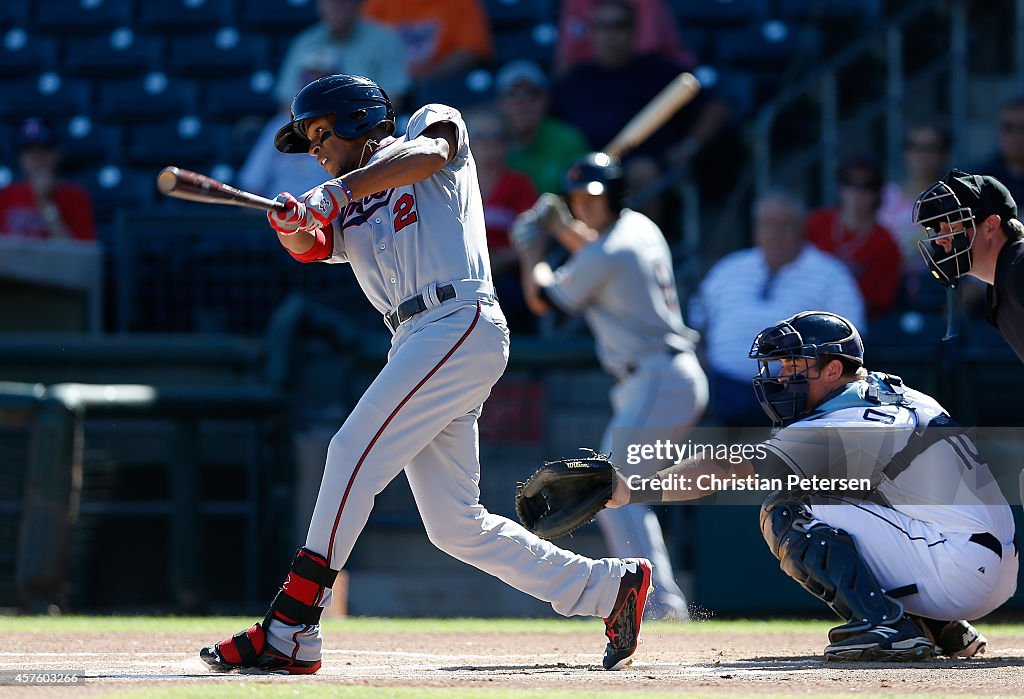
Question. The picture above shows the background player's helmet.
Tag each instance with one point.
(958, 200)
(358, 103)
(597, 173)
(808, 335)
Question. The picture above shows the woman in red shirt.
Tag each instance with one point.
(851, 232)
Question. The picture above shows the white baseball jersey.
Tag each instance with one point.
(401, 240)
(916, 528)
(419, 415)
(624, 285)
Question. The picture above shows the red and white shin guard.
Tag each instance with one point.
(297, 607)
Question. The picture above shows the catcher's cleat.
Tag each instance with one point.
(954, 639)
(622, 627)
(902, 641)
(248, 651)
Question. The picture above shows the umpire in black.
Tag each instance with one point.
(971, 227)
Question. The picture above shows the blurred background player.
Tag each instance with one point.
(619, 277)
(41, 205)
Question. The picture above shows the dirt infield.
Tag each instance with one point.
(668, 660)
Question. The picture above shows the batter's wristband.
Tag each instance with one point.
(345, 188)
(643, 492)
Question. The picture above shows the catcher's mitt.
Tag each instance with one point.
(565, 494)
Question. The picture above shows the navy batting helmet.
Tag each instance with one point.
(597, 173)
(358, 103)
(807, 335)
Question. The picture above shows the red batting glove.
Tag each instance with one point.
(292, 219)
(324, 202)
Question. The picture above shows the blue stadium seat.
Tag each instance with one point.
(906, 343)
(84, 143)
(503, 14)
(225, 52)
(47, 95)
(802, 10)
(716, 13)
(152, 96)
(8, 148)
(117, 54)
(460, 91)
(278, 16)
(230, 99)
(81, 16)
(535, 43)
(185, 15)
(768, 47)
(188, 142)
(738, 88)
(13, 13)
(114, 189)
(23, 54)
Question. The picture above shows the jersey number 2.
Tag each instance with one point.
(404, 212)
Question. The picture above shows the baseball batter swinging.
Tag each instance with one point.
(406, 214)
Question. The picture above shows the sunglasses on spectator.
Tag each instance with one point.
(1012, 126)
(522, 92)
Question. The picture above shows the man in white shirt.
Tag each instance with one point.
(757, 287)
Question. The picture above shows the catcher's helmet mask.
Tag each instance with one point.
(597, 173)
(937, 205)
(807, 336)
(358, 103)
(959, 200)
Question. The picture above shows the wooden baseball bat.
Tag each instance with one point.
(185, 184)
(653, 116)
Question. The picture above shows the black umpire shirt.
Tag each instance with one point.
(1006, 296)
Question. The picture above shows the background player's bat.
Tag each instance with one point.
(185, 184)
(653, 116)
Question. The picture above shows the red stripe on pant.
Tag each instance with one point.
(366, 452)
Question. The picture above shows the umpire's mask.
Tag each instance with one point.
(944, 217)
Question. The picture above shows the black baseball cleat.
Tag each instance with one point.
(901, 641)
(622, 627)
(248, 651)
(954, 639)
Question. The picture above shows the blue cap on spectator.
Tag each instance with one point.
(36, 132)
(520, 71)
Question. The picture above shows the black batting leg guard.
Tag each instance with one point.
(826, 563)
(298, 601)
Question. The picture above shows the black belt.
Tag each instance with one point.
(411, 306)
(630, 369)
(988, 541)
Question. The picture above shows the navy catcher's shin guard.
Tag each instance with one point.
(826, 563)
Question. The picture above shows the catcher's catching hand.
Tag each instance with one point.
(564, 495)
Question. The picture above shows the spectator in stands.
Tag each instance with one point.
(539, 145)
(925, 157)
(341, 42)
(506, 193)
(441, 39)
(852, 233)
(752, 289)
(600, 96)
(1007, 164)
(41, 205)
(656, 32)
